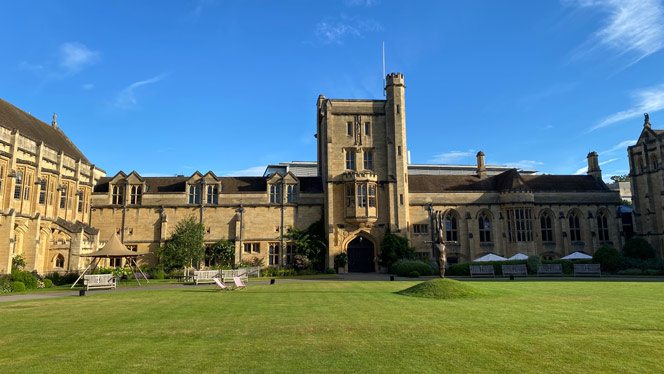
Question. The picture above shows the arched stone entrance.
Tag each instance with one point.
(361, 255)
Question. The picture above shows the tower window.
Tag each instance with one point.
(350, 159)
(368, 160)
(367, 129)
(372, 195)
(349, 128)
(399, 150)
(63, 196)
(362, 195)
(26, 189)
(42, 192)
(398, 109)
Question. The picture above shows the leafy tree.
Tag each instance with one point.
(609, 258)
(625, 202)
(394, 248)
(620, 178)
(185, 246)
(638, 247)
(221, 253)
(310, 243)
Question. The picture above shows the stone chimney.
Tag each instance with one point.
(593, 166)
(481, 168)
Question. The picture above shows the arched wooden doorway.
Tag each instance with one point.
(361, 255)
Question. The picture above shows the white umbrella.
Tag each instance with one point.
(577, 256)
(490, 257)
(518, 256)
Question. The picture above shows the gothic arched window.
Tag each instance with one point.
(602, 227)
(451, 227)
(60, 261)
(485, 227)
(546, 224)
(574, 226)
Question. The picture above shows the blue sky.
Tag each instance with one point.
(171, 87)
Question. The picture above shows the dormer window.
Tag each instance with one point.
(118, 195)
(275, 194)
(292, 194)
(212, 195)
(194, 195)
(135, 195)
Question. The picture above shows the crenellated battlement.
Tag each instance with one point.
(394, 79)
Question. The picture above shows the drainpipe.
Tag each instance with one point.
(283, 250)
(241, 210)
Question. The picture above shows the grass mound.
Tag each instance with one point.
(442, 289)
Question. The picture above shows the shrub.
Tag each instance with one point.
(5, 284)
(340, 260)
(393, 248)
(638, 247)
(330, 271)
(531, 264)
(404, 267)
(643, 264)
(307, 272)
(608, 257)
(48, 283)
(17, 286)
(301, 262)
(631, 272)
(461, 269)
(414, 274)
(25, 277)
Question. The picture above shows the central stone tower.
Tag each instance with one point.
(362, 160)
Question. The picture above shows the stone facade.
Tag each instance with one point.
(647, 181)
(45, 190)
(360, 186)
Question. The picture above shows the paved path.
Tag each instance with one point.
(344, 277)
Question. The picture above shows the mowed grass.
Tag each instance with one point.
(341, 327)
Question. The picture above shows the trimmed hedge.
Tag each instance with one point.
(463, 269)
(414, 274)
(403, 268)
(609, 258)
(17, 286)
(25, 277)
(48, 283)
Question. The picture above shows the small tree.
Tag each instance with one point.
(620, 178)
(185, 246)
(309, 243)
(609, 258)
(394, 248)
(638, 247)
(222, 253)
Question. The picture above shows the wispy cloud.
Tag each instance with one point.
(88, 86)
(74, 56)
(336, 30)
(645, 100)
(555, 90)
(127, 97)
(634, 29)
(452, 156)
(585, 168)
(364, 3)
(252, 171)
(525, 164)
(620, 146)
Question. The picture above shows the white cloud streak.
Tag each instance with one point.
(74, 56)
(524, 164)
(633, 29)
(336, 30)
(127, 97)
(645, 100)
(450, 157)
(249, 172)
(620, 146)
(585, 168)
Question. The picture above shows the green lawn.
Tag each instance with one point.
(349, 327)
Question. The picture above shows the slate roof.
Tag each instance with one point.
(14, 118)
(507, 181)
(228, 184)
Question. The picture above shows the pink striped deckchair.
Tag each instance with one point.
(221, 285)
(238, 282)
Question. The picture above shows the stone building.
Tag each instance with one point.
(45, 188)
(647, 180)
(360, 185)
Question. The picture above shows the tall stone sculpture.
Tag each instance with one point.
(439, 227)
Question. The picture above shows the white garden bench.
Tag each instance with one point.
(515, 270)
(549, 269)
(94, 281)
(205, 276)
(482, 271)
(587, 269)
(228, 275)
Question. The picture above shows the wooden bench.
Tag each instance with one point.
(587, 269)
(549, 269)
(205, 276)
(228, 275)
(482, 271)
(515, 270)
(94, 281)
